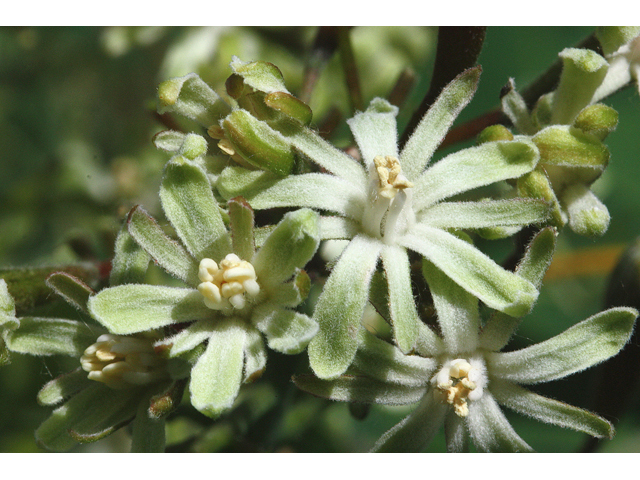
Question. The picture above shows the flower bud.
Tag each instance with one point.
(193, 146)
(612, 38)
(599, 120)
(587, 215)
(535, 184)
(258, 144)
(192, 97)
(494, 133)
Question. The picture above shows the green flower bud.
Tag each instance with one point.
(168, 140)
(535, 184)
(494, 133)
(587, 215)
(193, 146)
(612, 38)
(192, 97)
(599, 120)
(262, 76)
(290, 106)
(258, 144)
(541, 114)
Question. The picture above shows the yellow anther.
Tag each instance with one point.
(390, 176)
(453, 386)
(225, 286)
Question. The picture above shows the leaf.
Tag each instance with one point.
(72, 289)
(51, 336)
(130, 261)
(63, 387)
(286, 331)
(241, 223)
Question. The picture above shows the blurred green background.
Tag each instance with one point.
(76, 122)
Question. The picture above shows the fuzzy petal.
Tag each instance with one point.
(286, 331)
(376, 131)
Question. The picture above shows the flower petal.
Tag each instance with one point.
(376, 131)
(241, 225)
(135, 308)
(188, 203)
(130, 261)
(457, 310)
(51, 336)
(472, 270)
(551, 411)
(489, 428)
(402, 307)
(338, 228)
(217, 375)
(339, 309)
(353, 388)
(586, 344)
(474, 167)
(71, 288)
(434, 125)
(188, 338)
(286, 331)
(486, 213)
(455, 433)
(415, 432)
(255, 356)
(62, 387)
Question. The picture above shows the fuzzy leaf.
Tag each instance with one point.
(168, 253)
(136, 308)
(147, 432)
(51, 336)
(216, 377)
(130, 262)
(241, 223)
(255, 356)
(351, 388)
(62, 387)
(293, 293)
(474, 167)
(340, 307)
(375, 131)
(514, 107)
(472, 270)
(588, 343)
(72, 289)
(289, 247)
(286, 331)
(7, 307)
(434, 125)
(189, 205)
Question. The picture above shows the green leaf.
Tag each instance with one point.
(490, 430)
(340, 307)
(72, 289)
(189, 205)
(551, 411)
(289, 247)
(375, 131)
(473, 270)
(168, 253)
(384, 362)
(485, 213)
(130, 262)
(402, 306)
(216, 377)
(416, 431)
(583, 71)
(63, 387)
(136, 308)
(434, 125)
(474, 167)
(588, 343)
(241, 223)
(351, 388)
(286, 331)
(51, 336)
(92, 414)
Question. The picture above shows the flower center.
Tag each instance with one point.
(459, 381)
(226, 285)
(123, 361)
(390, 176)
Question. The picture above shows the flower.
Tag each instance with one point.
(236, 294)
(119, 379)
(460, 378)
(621, 47)
(391, 203)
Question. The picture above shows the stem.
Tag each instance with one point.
(350, 69)
(403, 86)
(324, 46)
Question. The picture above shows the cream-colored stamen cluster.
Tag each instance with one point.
(123, 361)
(457, 382)
(390, 176)
(226, 285)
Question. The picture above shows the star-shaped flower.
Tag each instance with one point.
(459, 379)
(393, 202)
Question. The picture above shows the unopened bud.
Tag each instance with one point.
(193, 146)
(598, 120)
(494, 133)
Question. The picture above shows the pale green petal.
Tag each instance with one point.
(130, 261)
(514, 107)
(429, 344)
(338, 228)
(472, 270)
(340, 307)
(286, 331)
(415, 432)
(402, 306)
(72, 289)
(62, 387)
(255, 356)
(533, 266)
(587, 214)
(376, 131)
(7, 306)
(168, 253)
(216, 377)
(289, 247)
(188, 338)
(137, 308)
(51, 336)
(382, 361)
(457, 310)
(485, 213)
(551, 411)
(588, 343)
(474, 167)
(455, 433)
(188, 203)
(352, 388)
(489, 428)
(241, 225)
(434, 125)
